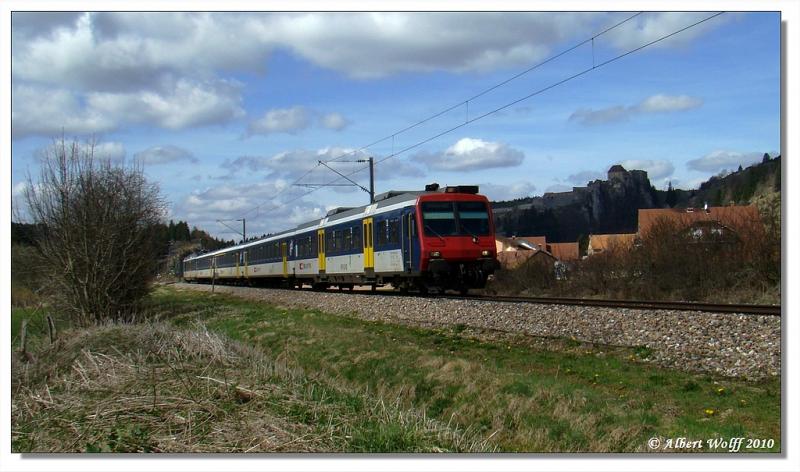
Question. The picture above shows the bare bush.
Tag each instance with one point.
(96, 240)
(674, 260)
(678, 261)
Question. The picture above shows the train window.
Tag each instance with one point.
(357, 237)
(473, 218)
(394, 231)
(338, 237)
(382, 232)
(348, 239)
(439, 219)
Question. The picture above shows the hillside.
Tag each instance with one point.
(611, 206)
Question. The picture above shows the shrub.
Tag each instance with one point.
(96, 239)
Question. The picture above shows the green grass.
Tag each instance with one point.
(518, 396)
(37, 323)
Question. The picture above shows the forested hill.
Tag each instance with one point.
(611, 206)
(165, 233)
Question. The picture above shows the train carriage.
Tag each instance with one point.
(432, 239)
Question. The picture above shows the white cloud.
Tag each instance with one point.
(472, 154)
(685, 184)
(396, 167)
(134, 46)
(104, 70)
(281, 207)
(184, 104)
(111, 151)
(40, 111)
(164, 155)
(666, 103)
(720, 160)
(588, 116)
(497, 192)
(19, 189)
(654, 104)
(656, 170)
(293, 164)
(583, 177)
(281, 120)
(334, 121)
(290, 164)
(370, 45)
(653, 25)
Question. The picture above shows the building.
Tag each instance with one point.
(513, 251)
(564, 251)
(699, 220)
(603, 242)
(514, 259)
(721, 222)
(517, 243)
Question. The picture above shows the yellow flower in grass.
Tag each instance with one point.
(721, 391)
(710, 412)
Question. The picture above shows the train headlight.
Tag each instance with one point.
(486, 253)
(435, 254)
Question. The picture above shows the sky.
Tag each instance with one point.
(228, 111)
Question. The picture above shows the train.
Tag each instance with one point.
(428, 241)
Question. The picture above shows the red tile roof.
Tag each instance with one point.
(731, 216)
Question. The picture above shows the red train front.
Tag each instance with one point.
(457, 244)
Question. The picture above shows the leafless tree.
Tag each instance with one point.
(96, 223)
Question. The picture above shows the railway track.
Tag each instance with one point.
(770, 310)
(745, 309)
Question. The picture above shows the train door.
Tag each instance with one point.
(410, 243)
(243, 262)
(369, 247)
(321, 250)
(285, 262)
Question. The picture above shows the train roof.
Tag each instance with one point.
(382, 201)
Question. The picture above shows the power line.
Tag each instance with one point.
(451, 108)
(509, 104)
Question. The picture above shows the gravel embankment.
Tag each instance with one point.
(727, 344)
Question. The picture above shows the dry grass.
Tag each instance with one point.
(156, 388)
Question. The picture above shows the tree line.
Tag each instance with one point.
(164, 235)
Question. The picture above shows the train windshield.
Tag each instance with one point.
(455, 219)
(473, 218)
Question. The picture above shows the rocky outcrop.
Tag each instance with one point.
(603, 206)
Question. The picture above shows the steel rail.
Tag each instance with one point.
(770, 310)
(743, 309)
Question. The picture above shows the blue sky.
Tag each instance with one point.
(225, 111)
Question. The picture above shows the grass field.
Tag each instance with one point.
(340, 384)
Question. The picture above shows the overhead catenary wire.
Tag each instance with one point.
(448, 109)
(500, 108)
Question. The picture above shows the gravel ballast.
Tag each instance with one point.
(733, 345)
